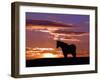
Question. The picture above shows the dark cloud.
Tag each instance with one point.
(46, 23)
(68, 32)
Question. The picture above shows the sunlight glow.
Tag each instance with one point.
(43, 49)
(49, 55)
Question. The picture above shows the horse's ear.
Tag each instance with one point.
(57, 40)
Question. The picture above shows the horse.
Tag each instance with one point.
(66, 49)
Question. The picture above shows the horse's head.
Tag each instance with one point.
(58, 44)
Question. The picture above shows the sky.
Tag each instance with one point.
(43, 29)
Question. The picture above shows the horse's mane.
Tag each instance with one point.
(62, 42)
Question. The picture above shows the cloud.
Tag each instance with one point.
(47, 23)
(64, 35)
(56, 30)
(66, 38)
(35, 53)
(71, 40)
(71, 33)
(47, 28)
(51, 27)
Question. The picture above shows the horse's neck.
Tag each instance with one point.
(63, 45)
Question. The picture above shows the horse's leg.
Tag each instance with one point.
(74, 54)
(65, 55)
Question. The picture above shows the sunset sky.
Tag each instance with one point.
(43, 29)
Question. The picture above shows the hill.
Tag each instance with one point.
(57, 61)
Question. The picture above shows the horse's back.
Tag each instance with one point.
(72, 47)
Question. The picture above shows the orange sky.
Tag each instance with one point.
(39, 38)
(37, 53)
(43, 29)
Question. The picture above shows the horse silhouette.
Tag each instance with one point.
(67, 49)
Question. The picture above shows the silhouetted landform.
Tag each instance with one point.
(57, 61)
(66, 48)
(46, 23)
